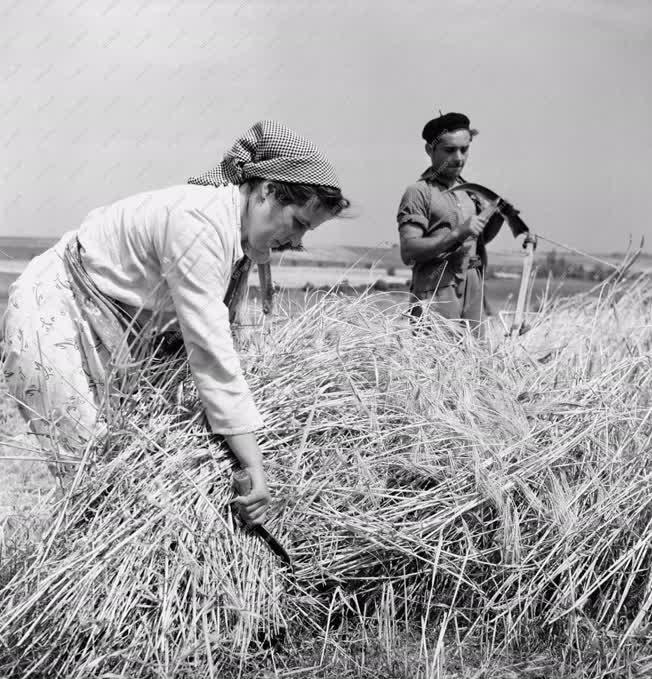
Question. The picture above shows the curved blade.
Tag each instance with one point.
(510, 214)
(273, 544)
(516, 224)
(478, 189)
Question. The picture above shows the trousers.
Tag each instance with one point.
(463, 301)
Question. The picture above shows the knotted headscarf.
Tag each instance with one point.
(270, 150)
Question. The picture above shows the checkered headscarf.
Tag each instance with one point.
(269, 150)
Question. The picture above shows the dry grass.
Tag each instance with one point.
(26, 489)
(455, 509)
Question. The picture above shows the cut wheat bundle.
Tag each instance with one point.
(506, 484)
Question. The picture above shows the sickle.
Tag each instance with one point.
(508, 211)
(242, 484)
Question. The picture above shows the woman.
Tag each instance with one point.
(169, 256)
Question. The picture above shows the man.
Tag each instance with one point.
(442, 235)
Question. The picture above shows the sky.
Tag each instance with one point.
(101, 99)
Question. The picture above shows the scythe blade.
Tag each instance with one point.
(508, 211)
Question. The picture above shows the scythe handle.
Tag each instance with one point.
(529, 244)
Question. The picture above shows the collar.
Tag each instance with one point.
(429, 175)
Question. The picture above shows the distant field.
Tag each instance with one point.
(501, 297)
(500, 292)
(354, 265)
(23, 248)
(345, 255)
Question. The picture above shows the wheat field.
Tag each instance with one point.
(454, 507)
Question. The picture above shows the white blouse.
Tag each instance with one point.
(172, 251)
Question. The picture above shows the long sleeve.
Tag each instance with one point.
(196, 262)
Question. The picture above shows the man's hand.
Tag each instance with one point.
(471, 228)
(254, 501)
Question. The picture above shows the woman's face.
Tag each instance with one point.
(268, 225)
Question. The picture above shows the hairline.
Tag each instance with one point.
(471, 130)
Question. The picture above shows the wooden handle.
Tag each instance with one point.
(266, 287)
(523, 293)
(242, 481)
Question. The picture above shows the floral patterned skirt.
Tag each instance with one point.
(52, 361)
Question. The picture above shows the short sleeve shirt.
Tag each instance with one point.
(426, 205)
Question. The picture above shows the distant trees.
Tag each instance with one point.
(558, 266)
(552, 264)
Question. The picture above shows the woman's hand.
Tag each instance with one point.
(253, 505)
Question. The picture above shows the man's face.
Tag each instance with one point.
(449, 152)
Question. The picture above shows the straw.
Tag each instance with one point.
(499, 490)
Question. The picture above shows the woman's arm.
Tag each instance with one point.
(196, 263)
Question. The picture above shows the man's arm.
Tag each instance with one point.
(417, 248)
(413, 220)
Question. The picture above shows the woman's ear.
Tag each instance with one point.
(266, 188)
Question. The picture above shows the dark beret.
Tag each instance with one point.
(449, 122)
